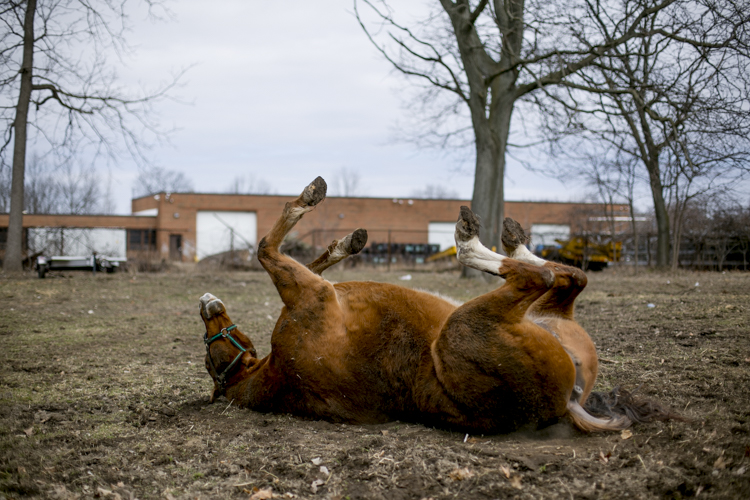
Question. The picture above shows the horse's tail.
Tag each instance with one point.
(589, 423)
(622, 402)
(616, 410)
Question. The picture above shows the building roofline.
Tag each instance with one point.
(460, 200)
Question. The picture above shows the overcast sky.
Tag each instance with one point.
(285, 91)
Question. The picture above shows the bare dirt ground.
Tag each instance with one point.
(103, 394)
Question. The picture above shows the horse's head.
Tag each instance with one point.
(228, 350)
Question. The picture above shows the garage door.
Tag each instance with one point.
(218, 232)
(441, 233)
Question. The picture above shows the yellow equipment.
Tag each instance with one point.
(448, 252)
(588, 255)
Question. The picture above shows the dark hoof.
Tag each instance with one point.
(358, 241)
(513, 235)
(467, 225)
(315, 192)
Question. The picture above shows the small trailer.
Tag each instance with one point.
(91, 263)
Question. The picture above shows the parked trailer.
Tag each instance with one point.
(91, 263)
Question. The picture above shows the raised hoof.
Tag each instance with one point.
(513, 235)
(315, 192)
(358, 241)
(467, 225)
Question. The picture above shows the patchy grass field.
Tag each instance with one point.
(103, 394)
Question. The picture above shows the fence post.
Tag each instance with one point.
(389, 250)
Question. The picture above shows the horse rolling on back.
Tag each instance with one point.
(366, 352)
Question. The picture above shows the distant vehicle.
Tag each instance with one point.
(91, 263)
(581, 252)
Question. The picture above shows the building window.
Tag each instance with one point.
(141, 239)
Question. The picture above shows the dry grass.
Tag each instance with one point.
(103, 394)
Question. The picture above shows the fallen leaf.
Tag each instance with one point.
(29, 431)
(385, 433)
(626, 434)
(721, 463)
(262, 494)
(505, 470)
(515, 482)
(603, 458)
(460, 474)
(315, 484)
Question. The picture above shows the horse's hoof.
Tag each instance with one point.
(467, 225)
(513, 235)
(358, 241)
(315, 192)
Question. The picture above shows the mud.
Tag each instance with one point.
(103, 394)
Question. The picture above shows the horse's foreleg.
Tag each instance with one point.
(292, 279)
(339, 250)
(313, 194)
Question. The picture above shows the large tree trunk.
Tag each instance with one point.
(634, 227)
(13, 245)
(662, 215)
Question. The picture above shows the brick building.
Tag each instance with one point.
(191, 226)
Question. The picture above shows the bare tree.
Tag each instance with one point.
(41, 191)
(346, 182)
(155, 179)
(674, 100)
(79, 188)
(56, 86)
(65, 189)
(435, 192)
(488, 56)
(249, 184)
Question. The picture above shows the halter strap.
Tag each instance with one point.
(224, 333)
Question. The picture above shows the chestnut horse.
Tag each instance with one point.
(366, 352)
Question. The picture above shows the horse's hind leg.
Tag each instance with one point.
(529, 282)
(554, 310)
(569, 281)
(339, 250)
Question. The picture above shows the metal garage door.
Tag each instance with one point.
(218, 232)
(441, 233)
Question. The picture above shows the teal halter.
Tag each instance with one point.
(221, 378)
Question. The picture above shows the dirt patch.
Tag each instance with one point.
(103, 394)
